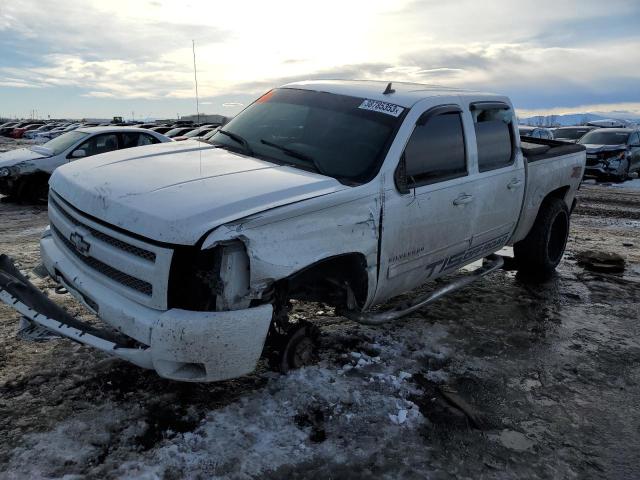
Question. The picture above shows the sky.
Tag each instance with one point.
(97, 59)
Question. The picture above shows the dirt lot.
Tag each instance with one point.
(549, 376)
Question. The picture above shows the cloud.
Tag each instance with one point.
(543, 53)
(233, 104)
(630, 110)
(95, 33)
(530, 73)
(116, 78)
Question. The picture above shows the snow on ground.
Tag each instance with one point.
(355, 399)
(7, 144)
(632, 184)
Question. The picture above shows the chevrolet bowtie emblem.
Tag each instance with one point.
(79, 243)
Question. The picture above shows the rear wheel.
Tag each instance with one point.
(541, 250)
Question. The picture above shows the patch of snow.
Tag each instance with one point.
(438, 376)
(69, 448)
(513, 440)
(631, 184)
(344, 410)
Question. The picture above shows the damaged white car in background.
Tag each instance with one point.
(24, 173)
(349, 193)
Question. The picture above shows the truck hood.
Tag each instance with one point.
(592, 148)
(10, 158)
(177, 192)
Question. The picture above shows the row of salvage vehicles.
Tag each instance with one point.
(613, 152)
(345, 192)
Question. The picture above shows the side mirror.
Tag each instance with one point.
(79, 153)
(400, 176)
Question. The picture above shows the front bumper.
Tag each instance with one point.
(177, 344)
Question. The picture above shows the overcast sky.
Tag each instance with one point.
(103, 58)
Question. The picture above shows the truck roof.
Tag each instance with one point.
(406, 94)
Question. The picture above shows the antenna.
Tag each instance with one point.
(195, 77)
(388, 90)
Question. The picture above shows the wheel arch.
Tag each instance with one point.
(329, 280)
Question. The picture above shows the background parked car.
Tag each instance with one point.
(19, 132)
(7, 130)
(571, 134)
(31, 134)
(206, 137)
(196, 133)
(7, 127)
(24, 173)
(57, 132)
(535, 132)
(163, 129)
(612, 152)
(176, 132)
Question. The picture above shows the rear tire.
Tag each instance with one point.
(541, 250)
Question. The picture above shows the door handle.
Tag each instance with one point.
(513, 184)
(463, 199)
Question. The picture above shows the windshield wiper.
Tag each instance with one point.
(295, 154)
(241, 140)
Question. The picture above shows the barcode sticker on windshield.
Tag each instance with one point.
(382, 107)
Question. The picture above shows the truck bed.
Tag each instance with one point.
(552, 166)
(535, 149)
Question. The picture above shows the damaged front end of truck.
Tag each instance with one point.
(202, 312)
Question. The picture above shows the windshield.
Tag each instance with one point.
(571, 133)
(64, 141)
(336, 135)
(604, 137)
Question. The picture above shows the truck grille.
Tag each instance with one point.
(140, 252)
(120, 277)
(136, 268)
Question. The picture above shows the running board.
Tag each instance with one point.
(490, 264)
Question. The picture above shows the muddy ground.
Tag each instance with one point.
(548, 376)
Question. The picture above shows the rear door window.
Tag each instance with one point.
(137, 139)
(436, 151)
(100, 144)
(494, 136)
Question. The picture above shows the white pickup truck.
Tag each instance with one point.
(346, 192)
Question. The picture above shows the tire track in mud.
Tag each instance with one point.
(599, 201)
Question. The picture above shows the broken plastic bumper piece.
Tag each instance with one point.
(181, 345)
